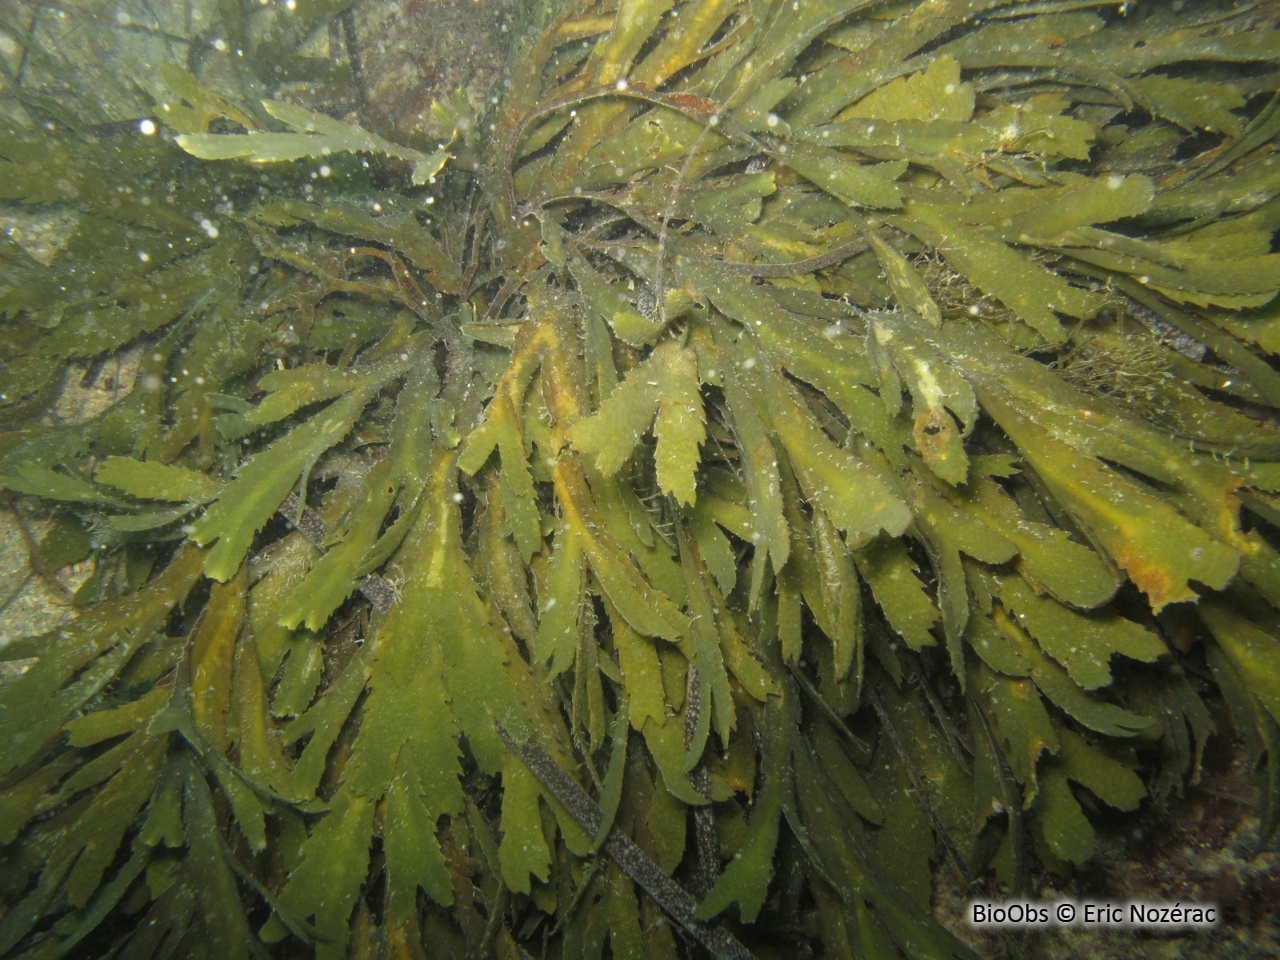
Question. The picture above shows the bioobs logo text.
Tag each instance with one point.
(1135, 913)
(1009, 914)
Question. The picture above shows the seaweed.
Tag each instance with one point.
(778, 452)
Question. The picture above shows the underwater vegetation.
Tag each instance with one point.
(772, 453)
